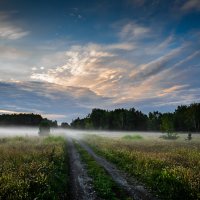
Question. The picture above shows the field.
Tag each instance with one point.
(87, 166)
(171, 169)
(33, 168)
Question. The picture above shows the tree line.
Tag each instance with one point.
(24, 119)
(185, 118)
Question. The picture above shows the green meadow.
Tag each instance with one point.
(170, 169)
(39, 167)
(33, 168)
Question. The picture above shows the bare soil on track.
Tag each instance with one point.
(131, 186)
(81, 187)
(80, 183)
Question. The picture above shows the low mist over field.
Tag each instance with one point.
(13, 131)
(18, 131)
(33, 131)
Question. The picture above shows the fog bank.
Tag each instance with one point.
(9, 131)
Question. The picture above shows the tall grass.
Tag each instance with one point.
(171, 169)
(33, 168)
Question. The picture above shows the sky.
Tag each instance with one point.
(63, 58)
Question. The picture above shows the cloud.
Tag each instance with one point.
(132, 30)
(54, 116)
(137, 68)
(66, 103)
(104, 71)
(156, 66)
(12, 53)
(18, 61)
(97, 76)
(12, 33)
(87, 66)
(50, 100)
(191, 5)
(124, 71)
(160, 47)
(121, 46)
(8, 30)
(8, 112)
(172, 89)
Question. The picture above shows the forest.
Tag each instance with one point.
(24, 120)
(185, 118)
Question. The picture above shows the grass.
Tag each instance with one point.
(132, 137)
(105, 187)
(33, 168)
(170, 168)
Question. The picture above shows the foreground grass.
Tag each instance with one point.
(171, 169)
(33, 168)
(104, 185)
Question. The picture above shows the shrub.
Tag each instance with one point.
(44, 128)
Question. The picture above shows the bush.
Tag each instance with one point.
(44, 128)
(170, 136)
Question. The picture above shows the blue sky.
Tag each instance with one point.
(63, 58)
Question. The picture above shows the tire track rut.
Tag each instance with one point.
(137, 192)
(80, 183)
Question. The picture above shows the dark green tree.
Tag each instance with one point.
(65, 125)
(154, 121)
(167, 125)
(185, 118)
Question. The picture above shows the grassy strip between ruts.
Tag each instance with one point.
(105, 187)
(172, 169)
(33, 168)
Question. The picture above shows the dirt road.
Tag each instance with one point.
(81, 187)
(80, 183)
(137, 192)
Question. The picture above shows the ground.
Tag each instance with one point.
(100, 165)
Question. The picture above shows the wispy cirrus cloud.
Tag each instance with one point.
(132, 30)
(10, 31)
(191, 5)
(156, 66)
(172, 89)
